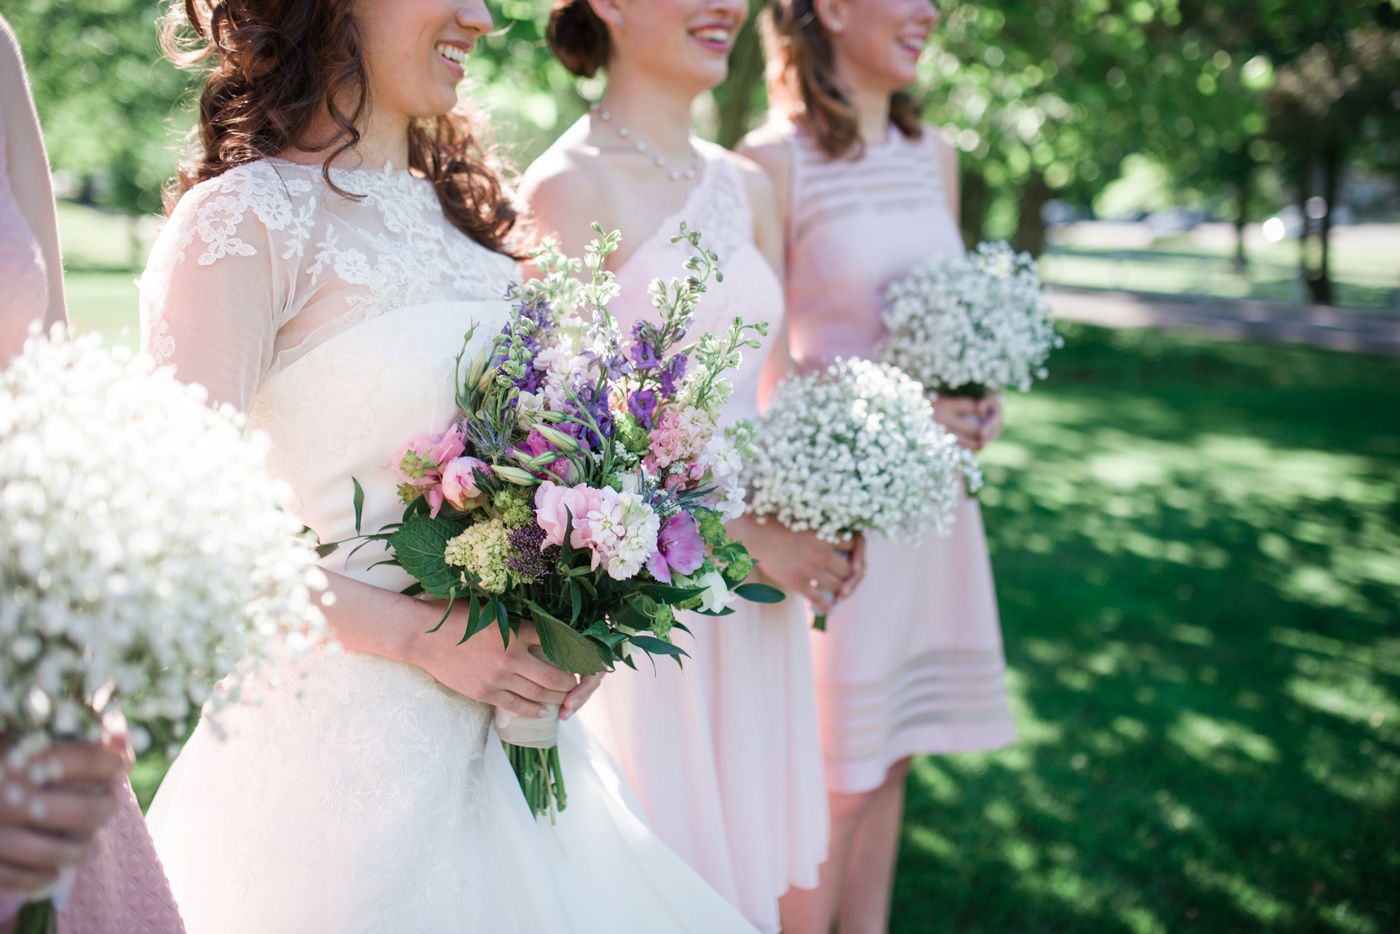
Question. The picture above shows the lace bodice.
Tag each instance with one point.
(334, 322)
(717, 206)
(262, 264)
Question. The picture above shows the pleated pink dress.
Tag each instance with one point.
(122, 889)
(725, 753)
(913, 661)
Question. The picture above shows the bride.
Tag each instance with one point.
(337, 235)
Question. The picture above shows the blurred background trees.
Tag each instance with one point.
(1062, 109)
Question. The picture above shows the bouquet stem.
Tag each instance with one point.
(541, 778)
(819, 623)
(37, 918)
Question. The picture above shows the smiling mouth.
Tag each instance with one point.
(914, 44)
(454, 54)
(716, 37)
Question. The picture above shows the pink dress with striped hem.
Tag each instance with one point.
(912, 663)
(725, 754)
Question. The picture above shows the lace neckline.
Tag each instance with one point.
(388, 172)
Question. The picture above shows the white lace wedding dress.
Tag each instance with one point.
(364, 796)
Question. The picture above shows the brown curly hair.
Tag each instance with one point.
(802, 81)
(275, 66)
(578, 38)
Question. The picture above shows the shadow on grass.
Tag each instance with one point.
(1195, 548)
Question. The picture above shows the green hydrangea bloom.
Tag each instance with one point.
(513, 505)
(738, 570)
(482, 550)
(631, 433)
(663, 621)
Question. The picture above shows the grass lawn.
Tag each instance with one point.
(1365, 267)
(1196, 550)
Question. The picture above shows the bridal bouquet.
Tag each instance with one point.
(142, 553)
(582, 487)
(970, 324)
(854, 448)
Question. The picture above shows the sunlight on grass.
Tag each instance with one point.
(1194, 545)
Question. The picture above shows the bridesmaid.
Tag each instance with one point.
(913, 663)
(90, 821)
(725, 754)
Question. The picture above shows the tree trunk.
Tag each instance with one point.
(1320, 278)
(736, 102)
(975, 201)
(1030, 225)
(1241, 220)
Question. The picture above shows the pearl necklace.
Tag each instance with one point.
(625, 134)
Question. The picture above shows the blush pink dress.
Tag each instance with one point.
(912, 662)
(724, 753)
(122, 889)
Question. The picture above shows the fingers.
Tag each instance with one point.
(42, 853)
(545, 675)
(533, 691)
(85, 764)
(24, 881)
(580, 695)
(819, 598)
(63, 811)
(857, 568)
(508, 700)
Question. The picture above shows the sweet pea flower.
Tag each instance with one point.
(678, 547)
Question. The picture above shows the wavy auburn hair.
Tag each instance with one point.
(803, 84)
(276, 66)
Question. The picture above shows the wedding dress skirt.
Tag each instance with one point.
(357, 794)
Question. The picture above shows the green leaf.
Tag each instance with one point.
(359, 504)
(327, 549)
(575, 602)
(628, 616)
(654, 646)
(502, 619)
(671, 595)
(760, 593)
(566, 648)
(476, 620)
(419, 545)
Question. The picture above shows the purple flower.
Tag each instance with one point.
(529, 558)
(673, 374)
(644, 356)
(679, 548)
(642, 405)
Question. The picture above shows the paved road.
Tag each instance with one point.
(1333, 328)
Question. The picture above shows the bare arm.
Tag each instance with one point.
(27, 164)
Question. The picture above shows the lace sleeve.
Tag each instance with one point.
(218, 286)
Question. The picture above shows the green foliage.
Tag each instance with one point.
(113, 109)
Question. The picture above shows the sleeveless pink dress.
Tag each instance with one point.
(912, 662)
(725, 753)
(122, 889)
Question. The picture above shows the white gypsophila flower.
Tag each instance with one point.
(854, 448)
(970, 323)
(143, 555)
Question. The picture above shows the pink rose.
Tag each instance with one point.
(420, 462)
(552, 512)
(459, 482)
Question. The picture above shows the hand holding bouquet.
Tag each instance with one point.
(970, 324)
(582, 487)
(144, 555)
(854, 448)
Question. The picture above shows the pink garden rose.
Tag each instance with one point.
(459, 482)
(553, 506)
(679, 548)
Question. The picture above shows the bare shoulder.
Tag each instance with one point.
(565, 189)
(768, 146)
(947, 152)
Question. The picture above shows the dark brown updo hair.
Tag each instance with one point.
(274, 66)
(579, 37)
(804, 87)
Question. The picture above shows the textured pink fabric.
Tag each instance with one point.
(725, 754)
(24, 290)
(912, 662)
(122, 889)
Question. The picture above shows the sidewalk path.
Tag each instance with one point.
(1321, 326)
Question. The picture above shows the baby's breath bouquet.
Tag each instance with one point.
(142, 551)
(970, 324)
(854, 448)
